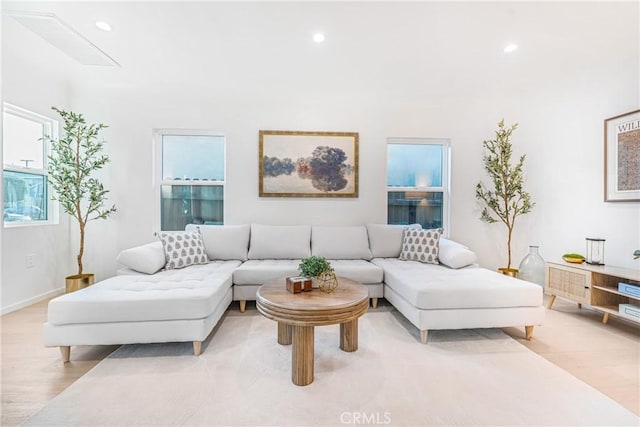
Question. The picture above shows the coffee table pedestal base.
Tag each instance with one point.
(302, 355)
(284, 333)
(349, 336)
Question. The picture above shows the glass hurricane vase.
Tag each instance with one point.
(532, 267)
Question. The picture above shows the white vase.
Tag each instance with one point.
(532, 267)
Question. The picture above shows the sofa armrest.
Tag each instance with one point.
(148, 258)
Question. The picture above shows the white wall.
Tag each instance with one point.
(561, 130)
(30, 87)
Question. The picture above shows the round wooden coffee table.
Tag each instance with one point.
(297, 315)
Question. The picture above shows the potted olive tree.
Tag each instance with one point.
(507, 199)
(73, 160)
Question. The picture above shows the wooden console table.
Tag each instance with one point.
(594, 285)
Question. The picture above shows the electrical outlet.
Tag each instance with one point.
(30, 260)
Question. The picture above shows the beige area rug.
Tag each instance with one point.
(243, 377)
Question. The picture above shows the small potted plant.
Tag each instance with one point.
(314, 265)
(320, 271)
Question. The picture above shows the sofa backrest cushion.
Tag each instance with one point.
(224, 242)
(340, 242)
(280, 241)
(454, 254)
(385, 240)
(146, 259)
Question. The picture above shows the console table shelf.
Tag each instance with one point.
(594, 285)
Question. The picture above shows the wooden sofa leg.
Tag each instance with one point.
(243, 305)
(424, 336)
(65, 351)
(528, 332)
(374, 302)
(197, 348)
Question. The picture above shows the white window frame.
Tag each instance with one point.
(445, 189)
(157, 168)
(50, 128)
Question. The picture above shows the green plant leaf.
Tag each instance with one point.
(313, 266)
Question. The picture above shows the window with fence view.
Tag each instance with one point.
(418, 182)
(25, 177)
(192, 182)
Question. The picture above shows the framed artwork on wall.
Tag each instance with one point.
(308, 164)
(622, 158)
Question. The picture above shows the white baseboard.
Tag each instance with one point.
(30, 301)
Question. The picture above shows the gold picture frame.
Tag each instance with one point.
(308, 164)
(622, 158)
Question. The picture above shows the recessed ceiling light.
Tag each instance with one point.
(318, 37)
(103, 26)
(510, 47)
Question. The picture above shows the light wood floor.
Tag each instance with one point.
(605, 356)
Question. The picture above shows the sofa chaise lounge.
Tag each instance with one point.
(145, 303)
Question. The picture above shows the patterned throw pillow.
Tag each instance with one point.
(182, 248)
(420, 245)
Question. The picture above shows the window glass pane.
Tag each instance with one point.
(193, 157)
(21, 145)
(414, 165)
(25, 196)
(411, 207)
(190, 204)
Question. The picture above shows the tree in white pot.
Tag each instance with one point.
(73, 160)
(507, 200)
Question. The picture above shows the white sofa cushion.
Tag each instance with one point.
(454, 254)
(429, 286)
(224, 242)
(280, 241)
(190, 293)
(357, 269)
(261, 271)
(146, 259)
(182, 249)
(385, 240)
(340, 242)
(420, 245)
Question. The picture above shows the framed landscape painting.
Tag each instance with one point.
(308, 164)
(622, 158)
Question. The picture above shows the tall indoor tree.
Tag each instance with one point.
(508, 199)
(74, 159)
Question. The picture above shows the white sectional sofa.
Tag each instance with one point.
(145, 303)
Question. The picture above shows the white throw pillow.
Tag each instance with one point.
(455, 255)
(385, 240)
(421, 245)
(182, 249)
(146, 259)
(224, 242)
(340, 242)
(280, 241)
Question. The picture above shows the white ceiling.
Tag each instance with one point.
(414, 48)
